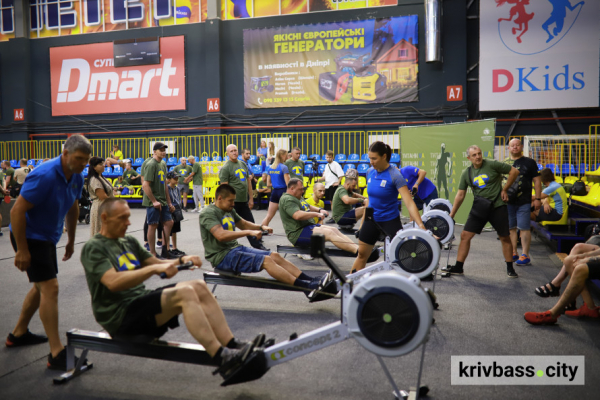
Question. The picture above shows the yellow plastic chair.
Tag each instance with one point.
(563, 221)
(362, 182)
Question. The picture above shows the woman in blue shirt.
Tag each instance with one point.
(384, 182)
(277, 178)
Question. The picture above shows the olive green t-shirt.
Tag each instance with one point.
(183, 172)
(338, 207)
(98, 256)
(296, 168)
(236, 174)
(215, 251)
(10, 172)
(1, 178)
(128, 174)
(288, 205)
(155, 173)
(197, 170)
(487, 181)
(262, 184)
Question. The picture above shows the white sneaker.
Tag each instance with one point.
(306, 257)
(195, 210)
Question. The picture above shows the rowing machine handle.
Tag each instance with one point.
(180, 267)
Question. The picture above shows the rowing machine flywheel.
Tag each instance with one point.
(440, 224)
(439, 204)
(389, 314)
(415, 251)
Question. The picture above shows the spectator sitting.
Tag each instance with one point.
(554, 199)
(264, 191)
(9, 175)
(316, 200)
(344, 199)
(116, 157)
(175, 194)
(130, 175)
(99, 189)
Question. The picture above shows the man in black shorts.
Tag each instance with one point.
(485, 179)
(49, 194)
(116, 266)
(588, 268)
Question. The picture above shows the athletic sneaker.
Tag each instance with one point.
(540, 318)
(25, 340)
(584, 311)
(159, 243)
(511, 273)
(523, 260)
(374, 256)
(147, 246)
(515, 257)
(232, 359)
(195, 210)
(178, 252)
(306, 257)
(168, 255)
(453, 269)
(60, 361)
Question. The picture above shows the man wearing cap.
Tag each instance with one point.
(157, 201)
(183, 170)
(235, 173)
(196, 178)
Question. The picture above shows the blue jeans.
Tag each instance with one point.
(153, 216)
(519, 216)
(243, 259)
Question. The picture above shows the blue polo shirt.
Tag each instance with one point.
(382, 188)
(277, 176)
(46, 187)
(411, 174)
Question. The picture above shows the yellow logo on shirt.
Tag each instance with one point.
(127, 261)
(305, 206)
(228, 223)
(161, 176)
(481, 181)
(297, 170)
(241, 174)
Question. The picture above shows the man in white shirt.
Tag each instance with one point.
(332, 176)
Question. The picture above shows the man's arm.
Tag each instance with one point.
(247, 225)
(537, 184)
(352, 200)
(168, 196)
(458, 200)
(71, 222)
(148, 191)
(18, 222)
(420, 178)
(512, 176)
(227, 236)
(123, 280)
(305, 215)
(250, 197)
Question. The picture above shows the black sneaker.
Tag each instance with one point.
(60, 361)
(168, 255)
(25, 340)
(261, 247)
(232, 359)
(452, 269)
(374, 256)
(178, 252)
(511, 273)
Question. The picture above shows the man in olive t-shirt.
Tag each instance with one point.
(298, 224)
(9, 175)
(196, 178)
(115, 268)
(235, 173)
(484, 177)
(184, 171)
(218, 223)
(130, 175)
(295, 165)
(343, 200)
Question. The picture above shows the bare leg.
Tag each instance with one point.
(273, 207)
(513, 241)
(213, 311)
(185, 200)
(338, 239)
(49, 313)
(285, 264)
(152, 238)
(167, 226)
(174, 240)
(574, 288)
(526, 241)
(278, 272)
(465, 246)
(30, 306)
(506, 248)
(364, 251)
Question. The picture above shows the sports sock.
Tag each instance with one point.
(459, 264)
(217, 356)
(509, 265)
(233, 344)
(301, 283)
(304, 277)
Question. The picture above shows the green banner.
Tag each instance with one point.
(441, 150)
(340, 63)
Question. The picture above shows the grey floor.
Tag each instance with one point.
(481, 313)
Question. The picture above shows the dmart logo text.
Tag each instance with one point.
(518, 370)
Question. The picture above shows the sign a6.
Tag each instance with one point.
(19, 114)
(213, 105)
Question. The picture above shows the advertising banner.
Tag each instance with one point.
(356, 62)
(441, 150)
(85, 81)
(235, 9)
(539, 54)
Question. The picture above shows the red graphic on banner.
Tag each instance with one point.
(84, 80)
(19, 114)
(213, 105)
(454, 93)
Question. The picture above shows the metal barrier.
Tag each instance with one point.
(48, 148)
(250, 141)
(308, 142)
(3, 151)
(16, 150)
(594, 147)
(391, 138)
(101, 147)
(131, 148)
(199, 145)
(344, 142)
(176, 145)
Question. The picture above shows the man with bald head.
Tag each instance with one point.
(485, 179)
(519, 205)
(235, 173)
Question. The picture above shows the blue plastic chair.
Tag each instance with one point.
(395, 158)
(139, 170)
(583, 168)
(340, 158)
(349, 166)
(257, 170)
(551, 167)
(172, 161)
(318, 157)
(363, 168)
(252, 159)
(171, 169)
(14, 164)
(568, 169)
(138, 162)
(303, 157)
(31, 162)
(117, 170)
(197, 159)
(540, 167)
(39, 162)
(321, 169)
(365, 158)
(353, 158)
(217, 158)
(85, 171)
(107, 171)
(205, 158)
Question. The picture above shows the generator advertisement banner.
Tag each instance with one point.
(441, 150)
(356, 62)
(84, 80)
(539, 54)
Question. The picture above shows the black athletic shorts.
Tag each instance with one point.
(140, 317)
(44, 265)
(369, 233)
(176, 227)
(498, 218)
(552, 216)
(594, 267)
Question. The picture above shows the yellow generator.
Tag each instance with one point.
(369, 87)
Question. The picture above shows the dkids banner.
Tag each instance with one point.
(357, 62)
(441, 150)
(84, 80)
(539, 54)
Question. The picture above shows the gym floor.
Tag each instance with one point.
(481, 313)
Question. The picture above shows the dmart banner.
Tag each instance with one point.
(441, 150)
(357, 62)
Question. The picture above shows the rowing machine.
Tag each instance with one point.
(438, 204)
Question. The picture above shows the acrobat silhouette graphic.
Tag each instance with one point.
(557, 16)
(444, 161)
(522, 19)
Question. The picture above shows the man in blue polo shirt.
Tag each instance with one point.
(50, 193)
(422, 189)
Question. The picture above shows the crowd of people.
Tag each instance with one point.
(116, 264)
